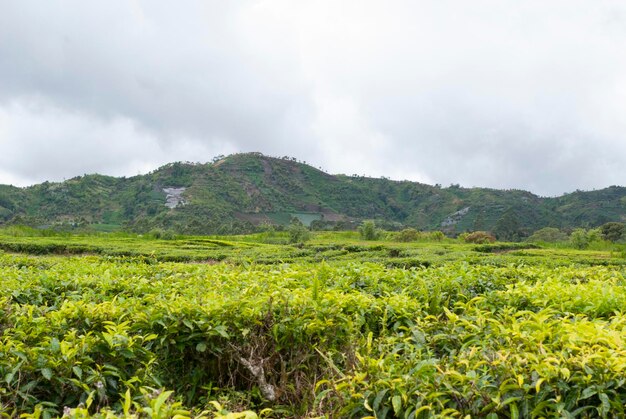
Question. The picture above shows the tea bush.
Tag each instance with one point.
(436, 330)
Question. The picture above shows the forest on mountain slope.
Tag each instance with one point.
(250, 191)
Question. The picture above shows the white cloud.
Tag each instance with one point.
(41, 142)
(487, 93)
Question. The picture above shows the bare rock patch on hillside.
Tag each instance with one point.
(174, 197)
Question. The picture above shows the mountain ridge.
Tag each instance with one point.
(240, 192)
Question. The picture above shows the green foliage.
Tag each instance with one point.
(478, 237)
(508, 227)
(548, 235)
(613, 232)
(504, 247)
(333, 328)
(581, 238)
(298, 233)
(407, 235)
(162, 234)
(235, 194)
(436, 235)
(594, 235)
(411, 235)
(368, 230)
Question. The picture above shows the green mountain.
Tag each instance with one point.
(242, 191)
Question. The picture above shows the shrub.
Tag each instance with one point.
(437, 235)
(368, 231)
(549, 235)
(298, 233)
(612, 231)
(478, 237)
(407, 235)
(581, 238)
(411, 234)
(157, 233)
(504, 247)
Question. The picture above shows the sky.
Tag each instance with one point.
(503, 94)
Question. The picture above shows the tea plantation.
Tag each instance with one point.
(245, 327)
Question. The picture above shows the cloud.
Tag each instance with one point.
(488, 93)
(42, 142)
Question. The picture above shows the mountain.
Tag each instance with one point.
(237, 193)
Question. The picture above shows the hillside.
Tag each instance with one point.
(242, 191)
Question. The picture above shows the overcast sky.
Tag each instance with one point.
(503, 93)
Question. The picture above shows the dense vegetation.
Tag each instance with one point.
(247, 326)
(244, 192)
